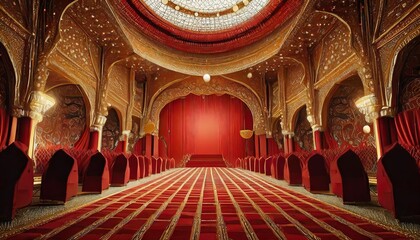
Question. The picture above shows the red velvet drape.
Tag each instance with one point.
(408, 127)
(387, 133)
(83, 142)
(204, 125)
(4, 127)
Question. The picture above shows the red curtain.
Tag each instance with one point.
(83, 142)
(204, 125)
(4, 127)
(387, 133)
(408, 127)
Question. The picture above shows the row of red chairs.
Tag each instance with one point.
(398, 177)
(60, 179)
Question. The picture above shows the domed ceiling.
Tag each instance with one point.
(208, 26)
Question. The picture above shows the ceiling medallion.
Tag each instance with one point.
(207, 13)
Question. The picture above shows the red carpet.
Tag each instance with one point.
(204, 203)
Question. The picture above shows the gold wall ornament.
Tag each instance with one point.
(149, 127)
(39, 103)
(368, 105)
(246, 133)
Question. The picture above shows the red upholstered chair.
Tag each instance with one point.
(60, 179)
(172, 163)
(159, 163)
(16, 180)
(167, 164)
(134, 167)
(315, 176)
(252, 164)
(154, 165)
(96, 178)
(399, 183)
(274, 166)
(238, 163)
(120, 171)
(142, 166)
(267, 166)
(293, 170)
(349, 179)
(279, 169)
(261, 167)
(147, 166)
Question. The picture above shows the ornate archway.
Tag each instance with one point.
(216, 86)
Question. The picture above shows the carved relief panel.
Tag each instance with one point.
(303, 131)
(111, 130)
(65, 122)
(345, 121)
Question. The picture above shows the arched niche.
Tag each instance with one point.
(7, 80)
(218, 86)
(401, 52)
(406, 78)
(111, 131)
(64, 123)
(277, 134)
(342, 119)
(302, 129)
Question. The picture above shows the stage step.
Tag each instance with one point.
(206, 160)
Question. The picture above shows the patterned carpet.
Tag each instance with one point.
(206, 203)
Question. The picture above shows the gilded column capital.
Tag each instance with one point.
(368, 105)
(39, 103)
(17, 111)
(287, 133)
(98, 122)
(387, 111)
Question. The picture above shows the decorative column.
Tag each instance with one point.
(288, 141)
(368, 105)
(387, 132)
(95, 138)
(318, 137)
(123, 142)
(149, 128)
(39, 103)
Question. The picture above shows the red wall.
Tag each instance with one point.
(204, 125)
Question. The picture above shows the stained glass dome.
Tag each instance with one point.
(207, 26)
(206, 15)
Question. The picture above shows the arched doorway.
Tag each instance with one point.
(206, 124)
(7, 85)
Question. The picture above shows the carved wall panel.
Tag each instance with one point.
(15, 46)
(118, 88)
(292, 108)
(303, 131)
(79, 49)
(409, 83)
(345, 121)
(134, 134)
(277, 133)
(138, 97)
(216, 86)
(275, 101)
(393, 11)
(111, 130)
(336, 49)
(65, 122)
(294, 85)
